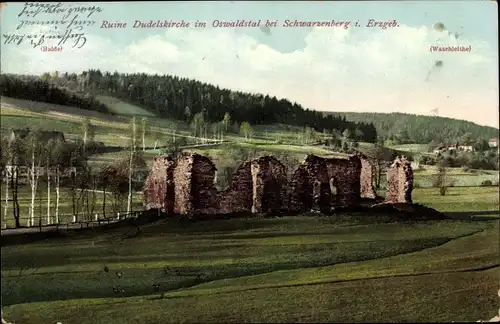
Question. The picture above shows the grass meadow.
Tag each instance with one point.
(291, 269)
(355, 267)
(65, 206)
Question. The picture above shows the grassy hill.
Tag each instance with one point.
(18, 113)
(421, 129)
(113, 130)
(119, 107)
(180, 99)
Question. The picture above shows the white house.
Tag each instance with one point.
(493, 142)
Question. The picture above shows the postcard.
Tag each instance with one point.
(237, 162)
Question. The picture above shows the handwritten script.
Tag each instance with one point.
(52, 24)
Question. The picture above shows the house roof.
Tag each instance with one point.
(43, 135)
(494, 140)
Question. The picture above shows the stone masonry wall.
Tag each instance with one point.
(187, 186)
(195, 191)
(300, 198)
(311, 187)
(269, 185)
(346, 174)
(400, 181)
(182, 181)
(203, 190)
(366, 179)
(159, 186)
(238, 197)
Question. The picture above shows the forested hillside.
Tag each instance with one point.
(405, 128)
(181, 98)
(35, 89)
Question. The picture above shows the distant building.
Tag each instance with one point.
(466, 148)
(43, 136)
(456, 147)
(493, 142)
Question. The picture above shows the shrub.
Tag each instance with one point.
(416, 185)
(442, 191)
(96, 147)
(486, 183)
(465, 168)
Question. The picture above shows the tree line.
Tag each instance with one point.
(59, 164)
(41, 90)
(183, 98)
(400, 128)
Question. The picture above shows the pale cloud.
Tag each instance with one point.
(337, 70)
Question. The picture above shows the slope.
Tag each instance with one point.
(419, 128)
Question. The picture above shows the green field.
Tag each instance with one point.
(414, 148)
(119, 107)
(290, 269)
(17, 114)
(65, 206)
(114, 130)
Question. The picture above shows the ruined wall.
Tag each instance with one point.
(182, 181)
(187, 186)
(366, 178)
(346, 175)
(203, 190)
(195, 190)
(159, 185)
(269, 184)
(258, 186)
(300, 198)
(238, 196)
(311, 187)
(399, 181)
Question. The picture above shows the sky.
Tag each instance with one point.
(358, 69)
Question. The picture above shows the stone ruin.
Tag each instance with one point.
(366, 178)
(186, 186)
(194, 184)
(399, 181)
(319, 184)
(159, 188)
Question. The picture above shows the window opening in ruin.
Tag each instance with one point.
(224, 178)
(271, 196)
(333, 187)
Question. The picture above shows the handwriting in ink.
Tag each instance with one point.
(31, 10)
(79, 39)
(65, 23)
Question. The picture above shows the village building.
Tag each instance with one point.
(43, 136)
